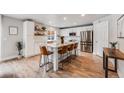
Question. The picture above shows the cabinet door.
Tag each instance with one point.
(61, 32)
(64, 32)
(28, 28)
(37, 48)
(100, 37)
(29, 49)
(121, 27)
(29, 46)
(77, 30)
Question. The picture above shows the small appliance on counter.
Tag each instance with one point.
(72, 34)
(72, 40)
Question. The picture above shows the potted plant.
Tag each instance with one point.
(113, 47)
(43, 28)
(19, 47)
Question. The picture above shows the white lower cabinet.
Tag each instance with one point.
(37, 48)
(29, 47)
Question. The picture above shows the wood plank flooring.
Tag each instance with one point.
(85, 66)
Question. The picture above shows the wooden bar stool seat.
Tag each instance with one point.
(62, 51)
(70, 49)
(49, 52)
(75, 48)
(44, 52)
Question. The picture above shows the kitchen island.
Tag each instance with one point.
(55, 58)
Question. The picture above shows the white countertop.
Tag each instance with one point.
(56, 45)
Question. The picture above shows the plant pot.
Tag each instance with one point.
(19, 57)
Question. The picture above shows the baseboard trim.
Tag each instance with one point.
(94, 53)
(8, 58)
(120, 74)
(15, 56)
(31, 55)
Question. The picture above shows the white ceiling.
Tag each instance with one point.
(57, 20)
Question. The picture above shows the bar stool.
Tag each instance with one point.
(70, 50)
(62, 51)
(44, 52)
(75, 48)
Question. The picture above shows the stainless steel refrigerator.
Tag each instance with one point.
(86, 42)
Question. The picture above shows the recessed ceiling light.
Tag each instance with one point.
(82, 14)
(65, 18)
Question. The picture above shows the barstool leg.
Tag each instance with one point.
(75, 52)
(61, 58)
(69, 56)
(62, 62)
(40, 61)
(46, 64)
(44, 67)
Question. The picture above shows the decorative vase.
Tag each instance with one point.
(62, 40)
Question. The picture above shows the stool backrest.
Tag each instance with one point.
(75, 45)
(65, 49)
(43, 50)
(70, 47)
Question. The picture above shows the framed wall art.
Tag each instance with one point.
(13, 30)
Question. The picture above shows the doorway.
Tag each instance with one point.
(100, 37)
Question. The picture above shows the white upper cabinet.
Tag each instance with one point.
(77, 30)
(64, 32)
(120, 27)
(28, 27)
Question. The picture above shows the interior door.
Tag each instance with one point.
(101, 37)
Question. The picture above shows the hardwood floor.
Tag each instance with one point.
(84, 66)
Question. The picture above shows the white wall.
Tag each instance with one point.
(120, 45)
(8, 49)
(112, 19)
(0, 34)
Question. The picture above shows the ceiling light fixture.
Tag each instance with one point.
(82, 14)
(65, 18)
